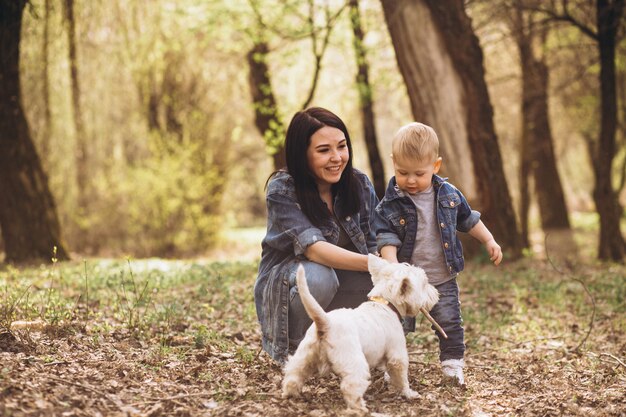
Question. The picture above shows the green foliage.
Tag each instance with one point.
(170, 122)
(174, 213)
(11, 299)
(151, 297)
(161, 123)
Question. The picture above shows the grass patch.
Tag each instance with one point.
(151, 298)
(182, 338)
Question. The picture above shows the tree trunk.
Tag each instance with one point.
(266, 116)
(550, 196)
(524, 184)
(28, 217)
(611, 245)
(47, 131)
(434, 87)
(442, 64)
(537, 142)
(82, 157)
(366, 102)
(517, 26)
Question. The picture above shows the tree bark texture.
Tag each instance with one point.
(537, 143)
(611, 245)
(524, 184)
(266, 116)
(28, 217)
(81, 155)
(45, 143)
(442, 64)
(435, 89)
(366, 101)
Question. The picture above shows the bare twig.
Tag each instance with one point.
(615, 358)
(566, 16)
(514, 343)
(434, 323)
(85, 387)
(581, 282)
(57, 363)
(149, 400)
(319, 54)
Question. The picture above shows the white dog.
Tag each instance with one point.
(352, 341)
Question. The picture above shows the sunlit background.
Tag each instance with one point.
(174, 161)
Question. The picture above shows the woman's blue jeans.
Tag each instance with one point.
(447, 312)
(332, 288)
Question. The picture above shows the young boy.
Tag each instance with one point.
(418, 220)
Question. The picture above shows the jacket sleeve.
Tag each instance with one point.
(368, 216)
(385, 233)
(466, 218)
(289, 229)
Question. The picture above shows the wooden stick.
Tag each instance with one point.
(432, 320)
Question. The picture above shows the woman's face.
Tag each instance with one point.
(327, 155)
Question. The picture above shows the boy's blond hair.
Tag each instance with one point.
(415, 141)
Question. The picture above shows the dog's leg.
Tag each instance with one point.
(398, 369)
(300, 367)
(354, 371)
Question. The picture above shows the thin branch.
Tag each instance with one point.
(614, 357)
(566, 17)
(293, 36)
(515, 343)
(85, 387)
(581, 282)
(330, 20)
(173, 398)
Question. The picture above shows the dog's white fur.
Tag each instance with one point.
(352, 341)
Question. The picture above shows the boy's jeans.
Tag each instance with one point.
(447, 312)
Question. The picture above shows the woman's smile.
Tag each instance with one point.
(327, 155)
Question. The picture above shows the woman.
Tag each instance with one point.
(320, 214)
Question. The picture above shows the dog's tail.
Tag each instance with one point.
(312, 307)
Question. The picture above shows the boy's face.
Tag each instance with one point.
(414, 176)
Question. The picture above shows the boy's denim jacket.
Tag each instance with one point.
(397, 222)
(289, 234)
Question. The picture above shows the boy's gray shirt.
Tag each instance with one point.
(427, 251)
(396, 222)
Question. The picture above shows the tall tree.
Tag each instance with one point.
(608, 20)
(537, 149)
(621, 126)
(28, 217)
(81, 155)
(441, 62)
(267, 114)
(45, 143)
(366, 102)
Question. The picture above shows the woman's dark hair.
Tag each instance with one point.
(303, 125)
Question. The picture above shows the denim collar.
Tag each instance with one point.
(393, 192)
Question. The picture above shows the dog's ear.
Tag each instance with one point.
(375, 264)
(405, 287)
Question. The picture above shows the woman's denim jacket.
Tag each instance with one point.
(289, 234)
(397, 222)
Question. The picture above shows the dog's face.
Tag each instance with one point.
(404, 285)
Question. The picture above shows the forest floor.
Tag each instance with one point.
(156, 338)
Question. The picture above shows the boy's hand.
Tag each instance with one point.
(494, 251)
